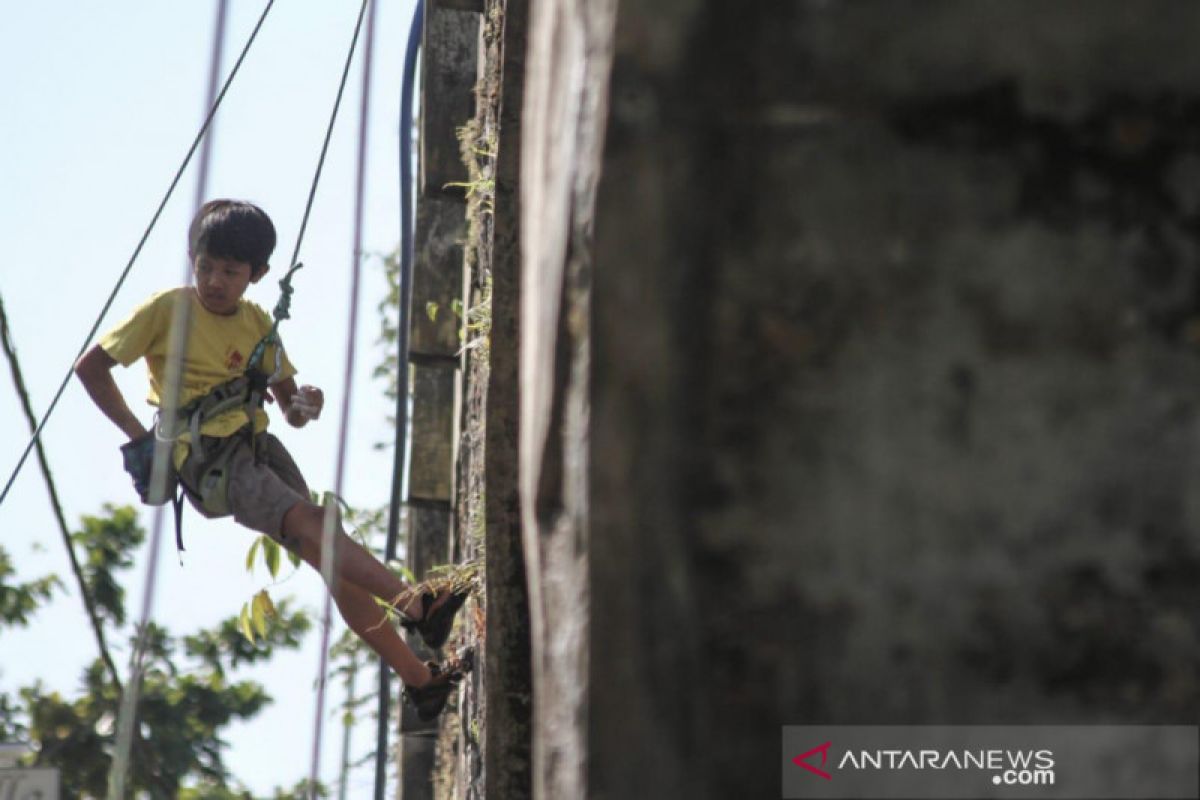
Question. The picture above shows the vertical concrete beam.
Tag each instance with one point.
(417, 752)
(448, 74)
(460, 5)
(430, 521)
(449, 63)
(437, 278)
(428, 541)
(431, 475)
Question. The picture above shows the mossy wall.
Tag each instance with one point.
(877, 348)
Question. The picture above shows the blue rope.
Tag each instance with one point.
(326, 536)
(407, 191)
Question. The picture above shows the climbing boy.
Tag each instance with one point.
(226, 461)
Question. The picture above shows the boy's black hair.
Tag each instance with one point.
(232, 229)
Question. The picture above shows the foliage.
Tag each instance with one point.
(18, 601)
(12, 728)
(187, 695)
(226, 646)
(109, 543)
(259, 612)
(300, 791)
(479, 322)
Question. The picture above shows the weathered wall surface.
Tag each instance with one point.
(567, 72)
(875, 397)
(508, 735)
(491, 742)
(485, 738)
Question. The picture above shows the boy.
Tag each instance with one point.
(229, 243)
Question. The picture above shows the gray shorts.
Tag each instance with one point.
(263, 486)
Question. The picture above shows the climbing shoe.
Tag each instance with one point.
(430, 699)
(434, 626)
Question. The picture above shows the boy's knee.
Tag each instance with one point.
(289, 542)
(299, 516)
(306, 521)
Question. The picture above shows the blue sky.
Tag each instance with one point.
(100, 103)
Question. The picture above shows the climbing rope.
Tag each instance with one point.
(327, 533)
(177, 346)
(407, 90)
(138, 249)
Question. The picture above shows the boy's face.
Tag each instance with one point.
(221, 282)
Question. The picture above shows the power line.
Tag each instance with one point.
(347, 383)
(10, 352)
(138, 249)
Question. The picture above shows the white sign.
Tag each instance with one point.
(29, 784)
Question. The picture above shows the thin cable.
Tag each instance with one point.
(348, 726)
(383, 713)
(176, 348)
(137, 250)
(10, 352)
(312, 192)
(327, 533)
(214, 75)
(181, 316)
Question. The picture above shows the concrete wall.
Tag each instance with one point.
(864, 389)
(508, 742)
(567, 74)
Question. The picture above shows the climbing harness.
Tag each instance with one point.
(247, 391)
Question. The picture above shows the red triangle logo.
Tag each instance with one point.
(800, 761)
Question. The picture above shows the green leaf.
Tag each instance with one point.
(250, 555)
(431, 311)
(244, 623)
(271, 556)
(268, 605)
(258, 614)
(294, 558)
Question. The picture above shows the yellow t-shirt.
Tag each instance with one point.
(218, 347)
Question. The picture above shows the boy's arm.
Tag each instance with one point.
(94, 369)
(299, 404)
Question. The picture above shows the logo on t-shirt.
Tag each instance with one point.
(233, 359)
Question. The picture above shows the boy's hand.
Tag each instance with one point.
(306, 405)
(138, 456)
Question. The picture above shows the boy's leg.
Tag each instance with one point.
(367, 620)
(270, 497)
(303, 527)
